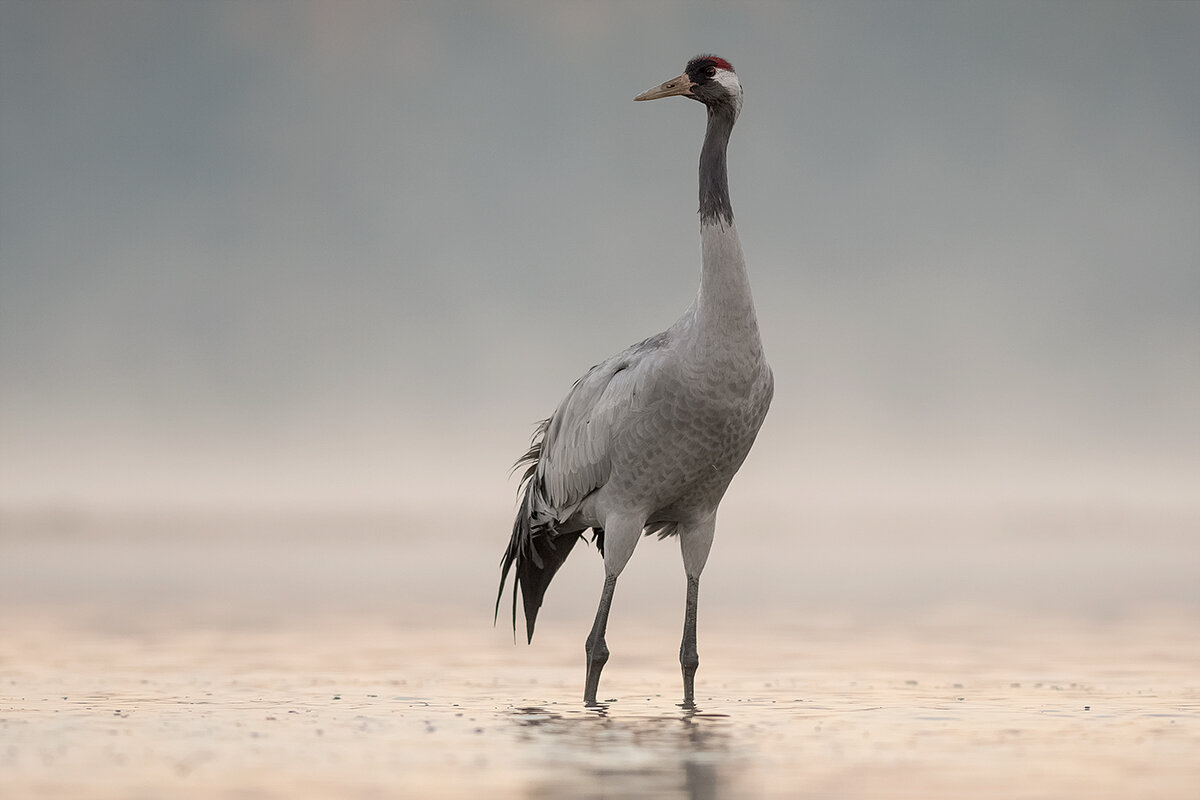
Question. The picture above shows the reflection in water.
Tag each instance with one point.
(591, 753)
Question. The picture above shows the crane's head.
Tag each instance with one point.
(708, 79)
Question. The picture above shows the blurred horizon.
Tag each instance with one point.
(340, 257)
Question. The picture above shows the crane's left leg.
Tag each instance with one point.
(621, 535)
(694, 542)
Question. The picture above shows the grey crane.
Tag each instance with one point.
(648, 441)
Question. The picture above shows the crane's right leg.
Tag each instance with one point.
(620, 537)
(694, 541)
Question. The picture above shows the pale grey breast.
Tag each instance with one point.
(677, 458)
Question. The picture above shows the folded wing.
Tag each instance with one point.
(576, 452)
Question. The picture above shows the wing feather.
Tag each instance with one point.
(603, 404)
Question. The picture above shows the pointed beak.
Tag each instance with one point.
(681, 85)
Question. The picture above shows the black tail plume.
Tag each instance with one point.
(536, 548)
(537, 551)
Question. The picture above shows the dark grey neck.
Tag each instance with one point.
(714, 178)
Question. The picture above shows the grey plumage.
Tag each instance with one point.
(714, 180)
(648, 440)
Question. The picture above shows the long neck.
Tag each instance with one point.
(724, 305)
(714, 177)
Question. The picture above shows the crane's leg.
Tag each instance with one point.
(595, 646)
(694, 542)
(620, 537)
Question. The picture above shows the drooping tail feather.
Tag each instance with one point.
(536, 553)
(537, 549)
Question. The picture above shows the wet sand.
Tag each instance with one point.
(360, 708)
(264, 666)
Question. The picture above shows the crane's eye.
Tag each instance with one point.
(711, 72)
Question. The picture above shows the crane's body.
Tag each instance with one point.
(649, 440)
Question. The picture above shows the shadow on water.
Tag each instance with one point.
(592, 753)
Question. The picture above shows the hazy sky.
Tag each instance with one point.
(346, 253)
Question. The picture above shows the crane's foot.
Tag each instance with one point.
(597, 657)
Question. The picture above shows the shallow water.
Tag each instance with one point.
(360, 708)
(250, 666)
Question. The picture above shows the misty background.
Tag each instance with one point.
(337, 258)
